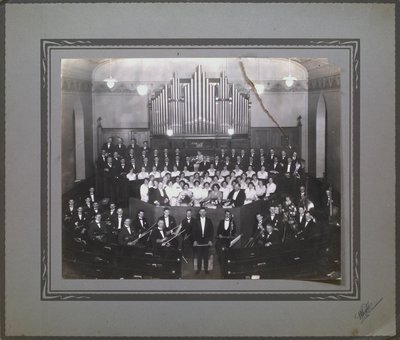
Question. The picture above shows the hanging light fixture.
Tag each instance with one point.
(142, 90)
(289, 80)
(110, 81)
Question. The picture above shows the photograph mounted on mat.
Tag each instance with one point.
(201, 168)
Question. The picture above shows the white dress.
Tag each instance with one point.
(144, 193)
(251, 196)
(271, 188)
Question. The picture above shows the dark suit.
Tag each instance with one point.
(274, 221)
(276, 167)
(114, 221)
(138, 227)
(240, 198)
(156, 235)
(202, 252)
(172, 222)
(94, 230)
(189, 166)
(110, 172)
(135, 148)
(124, 236)
(69, 214)
(108, 147)
(204, 166)
(155, 195)
(230, 232)
(272, 240)
(121, 149)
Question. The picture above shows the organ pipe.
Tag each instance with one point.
(199, 106)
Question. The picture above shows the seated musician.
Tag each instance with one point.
(271, 238)
(117, 220)
(160, 236)
(97, 229)
(126, 235)
(236, 197)
(169, 221)
(87, 206)
(79, 222)
(226, 232)
(273, 218)
(140, 224)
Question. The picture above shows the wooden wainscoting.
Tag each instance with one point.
(271, 137)
(141, 135)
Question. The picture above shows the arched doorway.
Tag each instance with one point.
(320, 152)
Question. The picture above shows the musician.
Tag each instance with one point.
(169, 221)
(108, 146)
(188, 224)
(309, 233)
(94, 211)
(79, 222)
(273, 219)
(110, 214)
(237, 196)
(159, 235)
(226, 232)
(117, 220)
(300, 219)
(301, 198)
(97, 229)
(271, 239)
(87, 207)
(69, 212)
(203, 234)
(140, 224)
(126, 235)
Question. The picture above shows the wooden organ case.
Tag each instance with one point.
(200, 113)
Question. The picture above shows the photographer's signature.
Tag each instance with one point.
(366, 310)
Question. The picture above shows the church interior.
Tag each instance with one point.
(180, 168)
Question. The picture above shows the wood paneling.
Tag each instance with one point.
(271, 137)
(141, 135)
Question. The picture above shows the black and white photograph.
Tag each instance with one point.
(201, 168)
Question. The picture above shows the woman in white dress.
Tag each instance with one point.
(271, 187)
(143, 174)
(175, 172)
(262, 174)
(144, 190)
(197, 193)
(131, 176)
(225, 190)
(154, 172)
(261, 189)
(251, 195)
(165, 171)
(211, 171)
(225, 172)
(214, 198)
(185, 196)
(170, 190)
(250, 172)
(237, 171)
(205, 191)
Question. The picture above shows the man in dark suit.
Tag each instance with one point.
(159, 235)
(188, 224)
(133, 146)
(273, 219)
(110, 172)
(93, 196)
(145, 149)
(275, 168)
(140, 224)
(300, 219)
(178, 163)
(169, 221)
(188, 163)
(108, 146)
(118, 219)
(204, 165)
(79, 223)
(217, 163)
(94, 211)
(203, 234)
(158, 196)
(69, 212)
(236, 197)
(226, 232)
(97, 229)
(110, 214)
(272, 239)
(157, 164)
(309, 234)
(126, 235)
(120, 148)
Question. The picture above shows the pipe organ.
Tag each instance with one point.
(200, 106)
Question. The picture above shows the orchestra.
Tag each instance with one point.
(169, 178)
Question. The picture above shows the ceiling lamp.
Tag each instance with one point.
(142, 90)
(289, 80)
(259, 88)
(110, 81)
